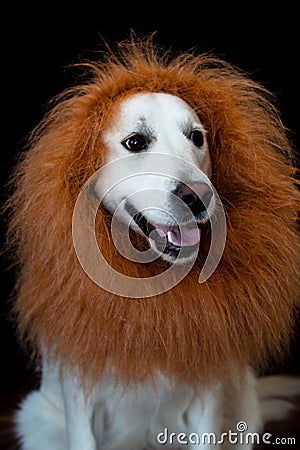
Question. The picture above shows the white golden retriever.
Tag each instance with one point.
(164, 414)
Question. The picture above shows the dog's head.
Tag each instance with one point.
(166, 131)
(163, 190)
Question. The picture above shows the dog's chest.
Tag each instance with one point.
(156, 415)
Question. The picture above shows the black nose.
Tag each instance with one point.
(197, 197)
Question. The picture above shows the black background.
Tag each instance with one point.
(39, 43)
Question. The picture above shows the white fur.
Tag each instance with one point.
(60, 416)
(275, 394)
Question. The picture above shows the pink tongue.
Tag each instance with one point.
(183, 237)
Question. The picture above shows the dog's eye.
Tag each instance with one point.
(135, 143)
(197, 138)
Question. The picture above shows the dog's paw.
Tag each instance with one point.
(40, 424)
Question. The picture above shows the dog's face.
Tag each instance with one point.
(162, 190)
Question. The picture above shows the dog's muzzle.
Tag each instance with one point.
(183, 234)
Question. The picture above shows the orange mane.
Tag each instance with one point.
(244, 314)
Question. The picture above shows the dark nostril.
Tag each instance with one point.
(189, 199)
(206, 197)
(196, 198)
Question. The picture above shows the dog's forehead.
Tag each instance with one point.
(152, 106)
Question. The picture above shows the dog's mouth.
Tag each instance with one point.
(173, 241)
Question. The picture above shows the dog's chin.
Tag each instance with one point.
(171, 253)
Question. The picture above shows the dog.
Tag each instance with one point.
(145, 337)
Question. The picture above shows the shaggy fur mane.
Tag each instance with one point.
(244, 314)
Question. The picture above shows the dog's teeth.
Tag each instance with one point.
(170, 238)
